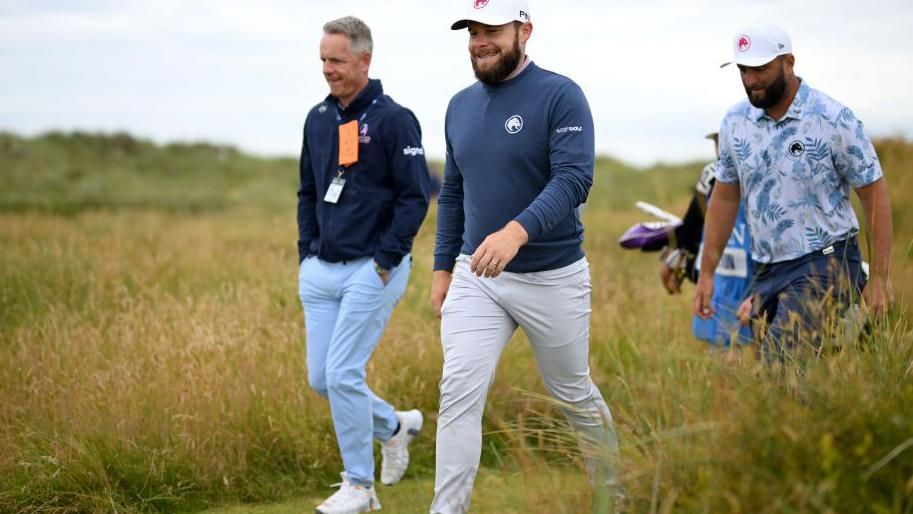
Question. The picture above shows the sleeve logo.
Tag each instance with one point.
(413, 151)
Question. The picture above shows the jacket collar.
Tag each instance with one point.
(363, 100)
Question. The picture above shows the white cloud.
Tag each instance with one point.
(246, 73)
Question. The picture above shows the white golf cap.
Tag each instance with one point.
(493, 12)
(758, 44)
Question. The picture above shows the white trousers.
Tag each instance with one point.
(479, 317)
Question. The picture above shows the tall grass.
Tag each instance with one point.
(151, 356)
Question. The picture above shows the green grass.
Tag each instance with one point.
(70, 173)
(510, 493)
(151, 357)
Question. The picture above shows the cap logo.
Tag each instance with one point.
(478, 4)
(524, 15)
(513, 124)
(744, 43)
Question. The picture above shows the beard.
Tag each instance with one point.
(501, 69)
(772, 96)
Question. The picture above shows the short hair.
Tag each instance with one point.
(353, 28)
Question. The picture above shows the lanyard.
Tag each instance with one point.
(360, 118)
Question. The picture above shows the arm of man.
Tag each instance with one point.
(308, 229)
(879, 291)
(412, 186)
(449, 237)
(855, 160)
(722, 211)
(571, 158)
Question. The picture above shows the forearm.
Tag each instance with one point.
(564, 192)
(307, 226)
(450, 217)
(408, 216)
(306, 216)
(881, 260)
(877, 207)
(409, 210)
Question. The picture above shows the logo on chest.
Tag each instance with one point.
(364, 138)
(513, 124)
(796, 149)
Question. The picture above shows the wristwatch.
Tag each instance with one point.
(381, 272)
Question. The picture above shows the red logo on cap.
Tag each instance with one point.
(744, 43)
(480, 4)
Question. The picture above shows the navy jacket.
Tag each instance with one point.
(385, 197)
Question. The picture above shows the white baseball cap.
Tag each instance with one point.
(493, 12)
(758, 44)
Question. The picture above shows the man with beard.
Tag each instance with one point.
(520, 156)
(792, 154)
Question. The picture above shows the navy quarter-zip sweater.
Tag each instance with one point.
(520, 150)
(385, 197)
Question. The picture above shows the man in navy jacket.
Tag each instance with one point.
(363, 195)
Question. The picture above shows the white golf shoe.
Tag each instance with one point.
(396, 450)
(350, 499)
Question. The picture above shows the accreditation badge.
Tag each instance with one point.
(335, 190)
(348, 155)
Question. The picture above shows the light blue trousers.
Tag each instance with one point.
(346, 307)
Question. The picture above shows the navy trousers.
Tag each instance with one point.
(796, 298)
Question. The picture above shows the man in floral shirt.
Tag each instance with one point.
(792, 154)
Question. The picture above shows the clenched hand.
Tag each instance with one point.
(498, 249)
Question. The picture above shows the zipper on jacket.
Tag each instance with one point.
(329, 225)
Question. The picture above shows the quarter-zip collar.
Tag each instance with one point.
(362, 101)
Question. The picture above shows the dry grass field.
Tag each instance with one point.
(151, 356)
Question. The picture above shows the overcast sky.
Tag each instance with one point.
(246, 72)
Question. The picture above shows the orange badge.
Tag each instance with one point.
(348, 143)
